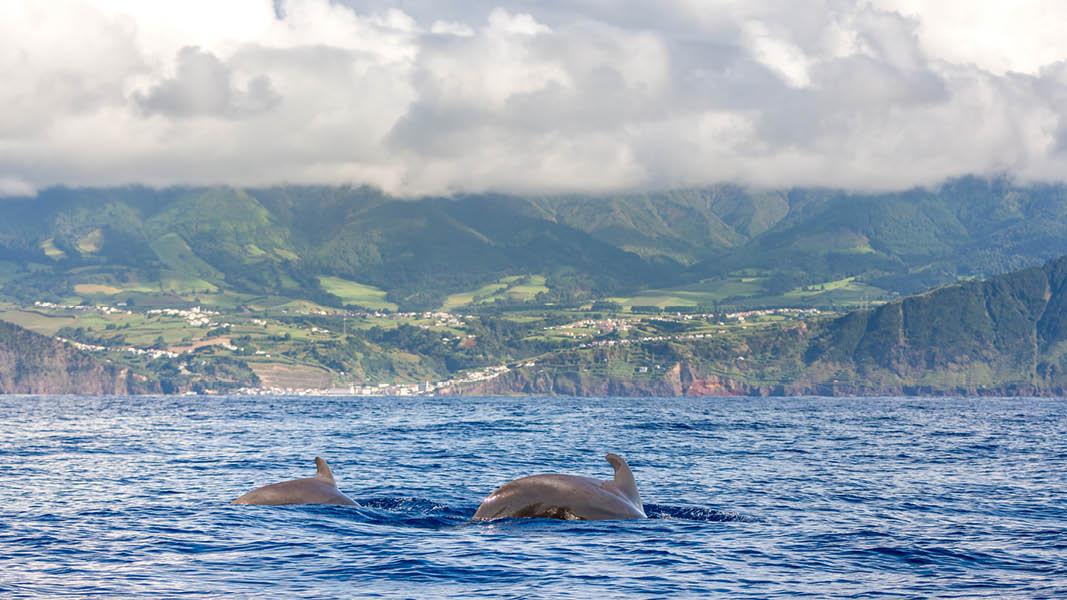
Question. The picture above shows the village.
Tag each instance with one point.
(270, 340)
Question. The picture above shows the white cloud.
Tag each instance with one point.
(451, 28)
(203, 85)
(14, 187)
(1020, 36)
(583, 95)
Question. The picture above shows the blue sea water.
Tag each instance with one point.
(111, 497)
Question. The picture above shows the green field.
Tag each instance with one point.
(303, 307)
(467, 298)
(747, 290)
(841, 285)
(356, 294)
(37, 322)
(845, 292)
(103, 289)
(526, 288)
(96, 288)
(176, 283)
(514, 288)
(705, 292)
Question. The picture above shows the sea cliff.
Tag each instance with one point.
(34, 364)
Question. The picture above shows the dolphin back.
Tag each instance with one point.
(320, 489)
(556, 496)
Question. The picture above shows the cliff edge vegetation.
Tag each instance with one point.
(1003, 336)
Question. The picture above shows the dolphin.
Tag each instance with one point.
(569, 497)
(320, 489)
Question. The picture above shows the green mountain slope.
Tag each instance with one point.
(1002, 333)
(1004, 336)
(728, 245)
(683, 225)
(282, 241)
(909, 241)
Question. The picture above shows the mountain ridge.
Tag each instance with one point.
(186, 242)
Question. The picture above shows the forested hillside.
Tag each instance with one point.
(718, 245)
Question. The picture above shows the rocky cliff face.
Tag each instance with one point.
(680, 380)
(34, 364)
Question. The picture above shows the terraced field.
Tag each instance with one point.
(279, 375)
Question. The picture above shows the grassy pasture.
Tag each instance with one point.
(747, 289)
(92, 289)
(844, 292)
(461, 299)
(90, 242)
(103, 289)
(37, 322)
(351, 292)
(516, 288)
(179, 283)
(528, 290)
(704, 292)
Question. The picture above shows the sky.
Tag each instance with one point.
(428, 97)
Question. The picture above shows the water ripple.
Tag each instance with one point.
(750, 498)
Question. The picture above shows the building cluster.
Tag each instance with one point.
(195, 316)
(646, 339)
(440, 319)
(150, 352)
(601, 326)
(106, 310)
(781, 312)
(426, 388)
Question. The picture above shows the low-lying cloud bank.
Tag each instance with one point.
(530, 97)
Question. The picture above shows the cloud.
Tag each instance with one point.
(12, 187)
(203, 85)
(583, 95)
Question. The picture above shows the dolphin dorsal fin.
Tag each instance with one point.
(322, 470)
(624, 479)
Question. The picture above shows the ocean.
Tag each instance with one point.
(758, 498)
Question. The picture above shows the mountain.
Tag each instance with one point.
(912, 240)
(725, 244)
(1003, 336)
(186, 242)
(899, 242)
(684, 225)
